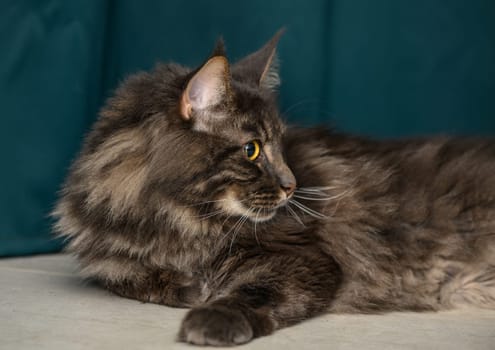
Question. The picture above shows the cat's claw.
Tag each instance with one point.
(215, 325)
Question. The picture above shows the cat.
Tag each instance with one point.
(190, 191)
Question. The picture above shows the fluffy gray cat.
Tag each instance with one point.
(191, 192)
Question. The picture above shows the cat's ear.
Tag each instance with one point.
(219, 49)
(261, 67)
(207, 87)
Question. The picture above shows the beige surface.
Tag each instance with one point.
(44, 305)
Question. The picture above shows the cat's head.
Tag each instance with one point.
(236, 105)
(210, 138)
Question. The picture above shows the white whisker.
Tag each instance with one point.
(205, 215)
(337, 196)
(210, 215)
(319, 189)
(233, 226)
(238, 227)
(210, 202)
(315, 199)
(307, 210)
(255, 221)
(343, 194)
(297, 104)
(294, 215)
(314, 194)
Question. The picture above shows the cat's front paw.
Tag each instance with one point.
(215, 325)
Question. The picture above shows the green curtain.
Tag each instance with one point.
(382, 68)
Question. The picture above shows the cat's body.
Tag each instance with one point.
(166, 204)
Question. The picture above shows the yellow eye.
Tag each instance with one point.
(252, 150)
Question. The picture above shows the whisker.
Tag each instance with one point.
(239, 226)
(214, 201)
(348, 192)
(231, 229)
(319, 187)
(294, 215)
(205, 215)
(314, 194)
(316, 189)
(255, 221)
(209, 214)
(315, 199)
(224, 221)
(307, 210)
(244, 216)
(212, 214)
(337, 196)
(297, 104)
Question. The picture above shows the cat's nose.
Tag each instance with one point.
(288, 187)
(287, 180)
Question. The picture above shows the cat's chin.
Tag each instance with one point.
(232, 206)
(266, 216)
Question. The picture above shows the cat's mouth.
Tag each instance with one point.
(265, 212)
(261, 214)
(254, 210)
(253, 213)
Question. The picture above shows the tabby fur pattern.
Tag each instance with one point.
(163, 205)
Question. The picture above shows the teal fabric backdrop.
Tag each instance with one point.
(383, 68)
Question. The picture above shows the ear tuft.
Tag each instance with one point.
(207, 87)
(219, 49)
(261, 67)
